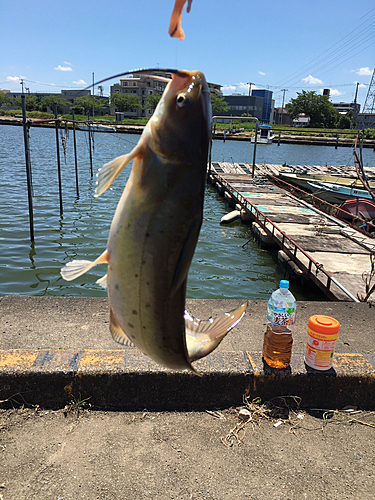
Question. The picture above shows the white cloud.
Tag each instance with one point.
(13, 78)
(67, 63)
(364, 71)
(312, 81)
(80, 82)
(228, 88)
(261, 73)
(63, 68)
(237, 88)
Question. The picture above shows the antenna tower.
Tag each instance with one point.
(369, 106)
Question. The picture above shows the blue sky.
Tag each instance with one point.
(289, 44)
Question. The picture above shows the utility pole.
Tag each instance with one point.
(250, 84)
(282, 106)
(21, 83)
(355, 111)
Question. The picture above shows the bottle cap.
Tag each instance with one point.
(284, 284)
(323, 324)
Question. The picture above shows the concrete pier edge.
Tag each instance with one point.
(125, 379)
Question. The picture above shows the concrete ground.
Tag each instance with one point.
(74, 447)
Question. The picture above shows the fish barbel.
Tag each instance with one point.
(155, 230)
(175, 28)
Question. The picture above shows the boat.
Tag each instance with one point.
(336, 193)
(303, 180)
(97, 127)
(264, 135)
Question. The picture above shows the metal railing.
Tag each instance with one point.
(295, 253)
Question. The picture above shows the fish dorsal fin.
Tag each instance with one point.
(117, 332)
(76, 268)
(203, 336)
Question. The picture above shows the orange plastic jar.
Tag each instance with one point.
(321, 339)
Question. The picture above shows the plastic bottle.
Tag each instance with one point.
(281, 316)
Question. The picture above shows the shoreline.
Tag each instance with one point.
(284, 139)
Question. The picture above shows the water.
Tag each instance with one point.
(224, 266)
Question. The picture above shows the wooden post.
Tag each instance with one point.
(28, 169)
(58, 160)
(89, 132)
(278, 142)
(255, 149)
(75, 151)
(337, 140)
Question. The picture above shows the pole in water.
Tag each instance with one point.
(337, 140)
(28, 169)
(75, 151)
(278, 142)
(89, 132)
(255, 148)
(58, 160)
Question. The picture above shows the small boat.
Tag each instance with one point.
(303, 180)
(97, 127)
(359, 206)
(336, 193)
(264, 135)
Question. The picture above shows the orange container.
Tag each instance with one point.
(321, 339)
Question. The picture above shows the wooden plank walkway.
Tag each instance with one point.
(316, 246)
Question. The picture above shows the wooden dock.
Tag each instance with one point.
(313, 246)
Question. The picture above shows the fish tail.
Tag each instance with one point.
(203, 336)
(175, 30)
(76, 268)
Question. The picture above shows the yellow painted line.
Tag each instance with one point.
(92, 359)
(351, 363)
(18, 359)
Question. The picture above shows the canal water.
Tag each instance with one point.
(226, 264)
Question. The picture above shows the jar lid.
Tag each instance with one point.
(323, 324)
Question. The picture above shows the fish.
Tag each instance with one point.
(155, 230)
(175, 28)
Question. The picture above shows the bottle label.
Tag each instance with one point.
(281, 315)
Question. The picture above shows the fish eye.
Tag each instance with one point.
(183, 100)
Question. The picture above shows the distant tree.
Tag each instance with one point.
(344, 120)
(49, 101)
(84, 104)
(321, 111)
(152, 101)
(5, 99)
(218, 104)
(126, 102)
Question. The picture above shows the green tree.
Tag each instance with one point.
(152, 101)
(49, 101)
(344, 120)
(84, 104)
(321, 111)
(126, 102)
(5, 99)
(218, 104)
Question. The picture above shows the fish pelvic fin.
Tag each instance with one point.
(76, 268)
(203, 336)
(103, 281)
(117, 332)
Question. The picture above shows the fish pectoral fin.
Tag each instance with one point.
(203, 336)
(76, 268)
(117, 332)
(103, 281)
(109, 171)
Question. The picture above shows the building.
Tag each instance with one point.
(268, 104)
(281, 116)
(243, 104)
(143, 86)
(366, 120)
(345, 107)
